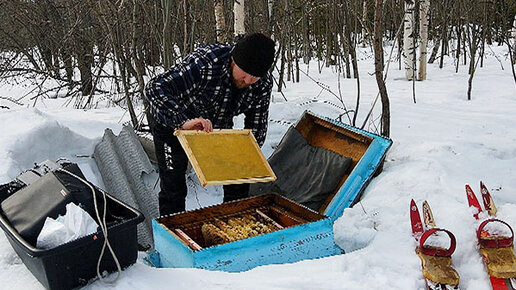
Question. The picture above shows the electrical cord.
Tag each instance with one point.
(104, 229)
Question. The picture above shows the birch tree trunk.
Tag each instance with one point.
(166, 51)
(270, 9)
(220, 22)
(435, 49)
(409, 52)
(457, 53)
(364, 21)
(513, 51)
(423, 32)
(514, 38)
(378, 65)
(185, 28)
(473, 37)
(307, 52)
(239, 11)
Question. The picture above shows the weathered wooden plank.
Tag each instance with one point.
(267, 218)
(191, 243)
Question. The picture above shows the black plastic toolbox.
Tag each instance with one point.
(74, 264)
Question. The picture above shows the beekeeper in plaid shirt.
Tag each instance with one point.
(211, 86)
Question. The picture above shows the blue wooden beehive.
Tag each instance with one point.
(306, 234)
(302, 233)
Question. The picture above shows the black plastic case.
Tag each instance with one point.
(74, 264)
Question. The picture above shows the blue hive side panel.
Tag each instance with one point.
(362, 173)
(172, 252)
(357, 180)
(307, 241)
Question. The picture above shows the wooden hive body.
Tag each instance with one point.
(305, 234)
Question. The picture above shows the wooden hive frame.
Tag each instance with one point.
(225, 156)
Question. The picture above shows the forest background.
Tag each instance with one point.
(80, 48)
(69, 69)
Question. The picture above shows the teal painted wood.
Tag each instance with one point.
(172, 252)
(308, 241)
(152, 258)
(361, 175)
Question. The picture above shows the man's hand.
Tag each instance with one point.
(198, 124)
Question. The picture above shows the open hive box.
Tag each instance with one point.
(269, 228)
(292, 233)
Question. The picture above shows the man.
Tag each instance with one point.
(211, 86)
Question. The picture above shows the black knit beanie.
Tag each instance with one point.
(254, 54)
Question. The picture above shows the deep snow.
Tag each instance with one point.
(440, 143)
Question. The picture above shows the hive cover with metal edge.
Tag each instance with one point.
(225, 156)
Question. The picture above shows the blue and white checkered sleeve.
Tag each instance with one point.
(170, 94)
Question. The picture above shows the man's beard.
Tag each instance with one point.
(240, 84)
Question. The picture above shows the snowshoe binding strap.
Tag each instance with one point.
(488, 241)
(436, 251)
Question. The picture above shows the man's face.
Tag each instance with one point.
(240, 78)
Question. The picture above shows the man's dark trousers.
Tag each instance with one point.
(172, 163)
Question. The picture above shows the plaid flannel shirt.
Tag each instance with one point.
(201, 86)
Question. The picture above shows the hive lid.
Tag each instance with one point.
(367, 150)
(309, 172)
(225, 156)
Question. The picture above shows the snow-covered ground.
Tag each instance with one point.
(440, 144)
